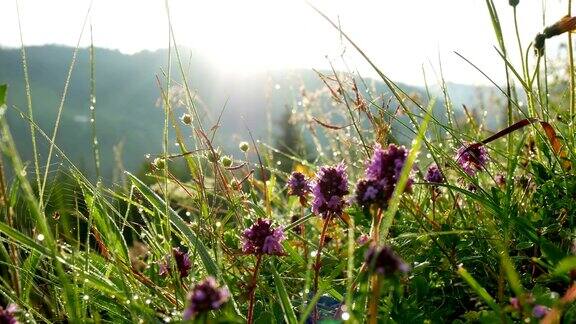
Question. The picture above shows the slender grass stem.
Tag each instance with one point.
(252, 289)
(29, 103)
(373, 304)
(317, 263)
(572, 82)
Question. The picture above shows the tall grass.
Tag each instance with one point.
(492, 241)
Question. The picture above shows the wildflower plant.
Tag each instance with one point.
(383, 233)
(205, 296)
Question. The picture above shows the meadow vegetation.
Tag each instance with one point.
(340, 223)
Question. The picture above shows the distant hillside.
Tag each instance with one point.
(127, 100)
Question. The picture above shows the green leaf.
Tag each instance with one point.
(287, 308)
(27, 274)
(481, 291)
(178, 222)
(3, 91)
(110, 232)
(565, 265)
(22, 240)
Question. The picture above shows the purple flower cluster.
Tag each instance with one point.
(434, 175)
(204, 297)
(384, 261)
(500, 180)
(262, 238)
(298, 185)
(8, 315)
(539, 311)
(382, 173)
(182, 260)
(472, 158)
(329, 190)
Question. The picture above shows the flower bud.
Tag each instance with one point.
(186, 119)
(159, 163)
(244, 146)
(213, 156)
(513, 3)
(226, 161)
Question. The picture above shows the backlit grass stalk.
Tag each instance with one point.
(29, 102)
(572, 82)
(252, 289)
(374, 301)
(69, 292)
(95, 145)
(318, 264)
(60, 109)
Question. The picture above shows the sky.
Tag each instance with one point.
(402, 37)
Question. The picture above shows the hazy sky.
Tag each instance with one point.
(242, 36)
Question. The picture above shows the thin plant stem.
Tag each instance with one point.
(252, 288)
(29, 104)
(373, 306)
(571, 60)
(317, 263)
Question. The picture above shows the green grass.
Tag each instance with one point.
(75, 250)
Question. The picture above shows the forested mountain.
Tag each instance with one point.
(128, 96)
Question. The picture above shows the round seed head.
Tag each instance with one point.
(244, 146)
(226, 161)
(186, 119)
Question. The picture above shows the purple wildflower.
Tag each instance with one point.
(183, 263)
(329, 190)
(8, 315)
(262, 238)
(434, 175)
(472, 158)
(204, 297)
(382, 173)
(384, 261)
(298, 185)
(368, 192)
(515, 303)
(387, 164)
(363, 239)
(540, 311)
(500, 180)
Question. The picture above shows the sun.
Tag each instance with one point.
(242, 37)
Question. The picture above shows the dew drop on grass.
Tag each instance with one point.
(40, 237)
(148, 301)
(85, 297)
(91, 107)
(345, 316)
(428, 156)
(188, 214)
(313, 253)
(23, 172)
(147, 155)
(218, 224)
(91, 120)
